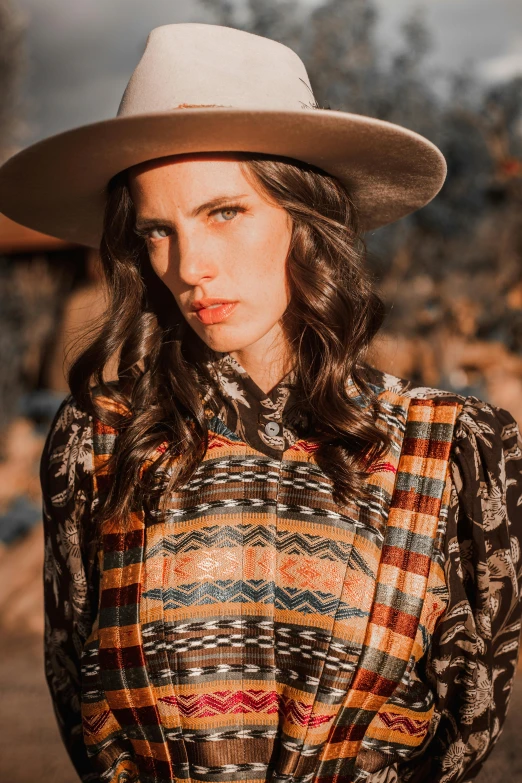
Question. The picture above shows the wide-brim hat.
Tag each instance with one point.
(210, 88)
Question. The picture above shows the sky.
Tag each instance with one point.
(81, 53)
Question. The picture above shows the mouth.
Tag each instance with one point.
(209, 301)
(215, 313)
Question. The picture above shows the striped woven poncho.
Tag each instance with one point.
(264, 633)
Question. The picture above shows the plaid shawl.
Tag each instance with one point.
(263, 632)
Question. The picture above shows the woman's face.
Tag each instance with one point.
(211, 234)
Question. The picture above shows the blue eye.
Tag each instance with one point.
(233, 208)
(228, 209)
(157, 229)
(229, 213)
(145, 233)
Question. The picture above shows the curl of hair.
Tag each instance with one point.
(156, 406)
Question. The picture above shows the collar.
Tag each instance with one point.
(269, 422)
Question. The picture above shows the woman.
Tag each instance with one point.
(265, 559)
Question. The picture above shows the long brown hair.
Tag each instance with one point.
(332, 317)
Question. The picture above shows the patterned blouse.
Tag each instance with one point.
(277, 636)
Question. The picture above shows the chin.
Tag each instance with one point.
(225, 343)
(225, 346)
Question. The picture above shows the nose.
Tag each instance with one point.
(196, 260)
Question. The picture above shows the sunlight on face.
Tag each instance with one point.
(234, 249)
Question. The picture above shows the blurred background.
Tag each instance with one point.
(451, 273)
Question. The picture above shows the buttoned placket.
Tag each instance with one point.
(249, 413)
(271, 427)
(257, 417)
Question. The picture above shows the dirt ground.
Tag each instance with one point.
(31, 750)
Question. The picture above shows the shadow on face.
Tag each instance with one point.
(211, 232)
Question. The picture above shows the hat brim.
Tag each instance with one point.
(58, 185)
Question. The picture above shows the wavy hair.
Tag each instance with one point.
(156, 405)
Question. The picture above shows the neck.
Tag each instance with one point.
(266, 361)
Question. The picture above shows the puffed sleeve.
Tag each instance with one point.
(70, 582)
(472, 660)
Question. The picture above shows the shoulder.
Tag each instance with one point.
(69, 420)
(382, 382)
(476, 417)
(67, 452)
(69, 445)
(72, 421)
(485, 461)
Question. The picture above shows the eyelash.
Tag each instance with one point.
(146, 231)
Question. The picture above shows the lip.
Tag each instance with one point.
(214, 315)
(209, 300)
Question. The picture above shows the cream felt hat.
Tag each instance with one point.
(202, 88)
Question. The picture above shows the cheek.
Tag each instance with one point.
(158, 258)
(262, 264)
(268, 284)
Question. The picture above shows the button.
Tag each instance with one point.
(272, 428)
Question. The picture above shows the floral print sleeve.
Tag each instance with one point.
(472, 661)
(69, 580)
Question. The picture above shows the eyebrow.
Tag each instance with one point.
(142, 223)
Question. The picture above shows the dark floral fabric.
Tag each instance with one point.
(471, 663)
(267, 421)
(70, 568)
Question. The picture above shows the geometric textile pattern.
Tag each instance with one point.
(261, 630)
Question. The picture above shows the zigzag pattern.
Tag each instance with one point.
(301, 714)
(228, 536)
(382, 466)
(307, 447)
(94, 724)
(209, 705)
(404, 725)
(230, 591)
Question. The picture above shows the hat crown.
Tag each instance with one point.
(59, 185)
(194, 64)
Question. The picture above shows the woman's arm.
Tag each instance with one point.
(70, 582)
(472, 660)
